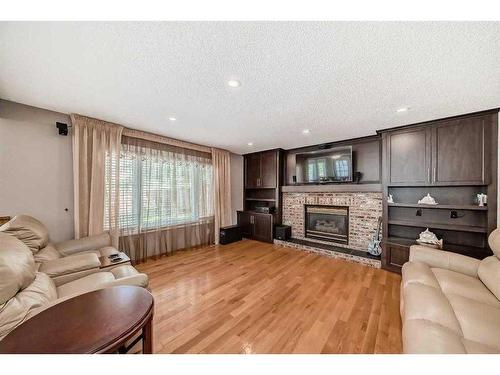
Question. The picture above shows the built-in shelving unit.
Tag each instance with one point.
(453, 160)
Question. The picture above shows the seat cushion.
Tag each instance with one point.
(466, 286)
(49, 252)
(70, 264)
(17, 267)
(29, 230)
(85, 284)
(17, 309)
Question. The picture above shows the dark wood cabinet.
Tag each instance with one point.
(394, 256)
(460, 152)
(256, 226)
(252, 169)
(261, 169)
(409, 157)
(454, 152)
(263, 176)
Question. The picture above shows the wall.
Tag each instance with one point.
(236, 184)
(36, 175)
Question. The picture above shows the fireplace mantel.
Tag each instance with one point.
(333, 188)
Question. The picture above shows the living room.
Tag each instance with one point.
(249, 187)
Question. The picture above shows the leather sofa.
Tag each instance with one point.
(24, 291)
(450, 303)
(63, 261)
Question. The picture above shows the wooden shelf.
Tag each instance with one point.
(332, 188)
(455, 227)
(460, 249)
(441, 206)
(261, 199)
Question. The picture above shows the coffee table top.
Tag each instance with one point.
(106, 261)
(93, 322)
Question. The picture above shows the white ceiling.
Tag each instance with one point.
(340, 80)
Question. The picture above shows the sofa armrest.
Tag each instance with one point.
(444, 259)
(140, 279)
(84, 244)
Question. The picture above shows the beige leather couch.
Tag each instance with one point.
(63, 261)
(450, 302)
(24, 291)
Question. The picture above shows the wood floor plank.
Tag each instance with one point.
(254, 297)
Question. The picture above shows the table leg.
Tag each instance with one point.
(147, 338)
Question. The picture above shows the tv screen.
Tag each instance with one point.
(323, 166)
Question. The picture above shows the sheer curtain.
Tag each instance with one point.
(166, 198)
(96, 149)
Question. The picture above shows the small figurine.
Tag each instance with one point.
(427, 238)
(427, 200)
(482, 199)
(389, 199)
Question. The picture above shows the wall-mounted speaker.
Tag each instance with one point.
(62, 127)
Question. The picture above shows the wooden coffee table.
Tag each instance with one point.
(107, 263)
(102, 321)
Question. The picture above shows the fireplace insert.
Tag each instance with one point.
(327, 223)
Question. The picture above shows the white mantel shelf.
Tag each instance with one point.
(333, 188)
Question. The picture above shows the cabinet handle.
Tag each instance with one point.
(429, 173)
(434, 174)
(258, 182)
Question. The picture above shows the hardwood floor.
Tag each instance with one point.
(253, 297)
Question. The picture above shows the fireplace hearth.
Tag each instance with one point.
(327, 223)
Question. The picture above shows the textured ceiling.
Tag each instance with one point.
(340, 80)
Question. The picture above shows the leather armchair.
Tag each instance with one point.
(450, 303)
(63, 261)
(24, 291)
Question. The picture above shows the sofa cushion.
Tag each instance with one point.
(70, 264)
(463, 285)
(29, 230)
(19, 308)
(489, 273)
(49, 252)
(479, 322)
(85, 284)
(17, 267)
(422, 336)
(494, 242)
(423, 302)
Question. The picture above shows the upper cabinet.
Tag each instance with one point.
(454, 152)
(460, 150)
(261, 169)
(409, 157)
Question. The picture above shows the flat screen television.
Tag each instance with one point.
(324, 166)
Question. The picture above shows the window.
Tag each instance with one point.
(342, 168)
(160, 188)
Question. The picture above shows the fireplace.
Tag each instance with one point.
(327, 223)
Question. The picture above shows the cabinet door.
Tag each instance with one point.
(394, 256)
(244, 222)
(252, 170)
(409, 157)
(459, 152)
(269, 160)
(263, 227)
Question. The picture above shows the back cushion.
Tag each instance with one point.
(489, 274)
(17, 267)
(27, 303)
(29, 230)
(494, 242)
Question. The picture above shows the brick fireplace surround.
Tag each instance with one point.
(364, 211)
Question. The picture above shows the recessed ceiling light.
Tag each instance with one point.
(402, 109)
(250, 144)
(233, 83)
(306, 131)
(172, 118)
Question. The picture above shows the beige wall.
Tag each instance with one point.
(236, 184)
(36, 167)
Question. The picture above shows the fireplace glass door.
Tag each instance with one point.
(327, 223)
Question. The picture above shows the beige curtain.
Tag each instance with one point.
(222, 189)
(166, 198)
(96, 151)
